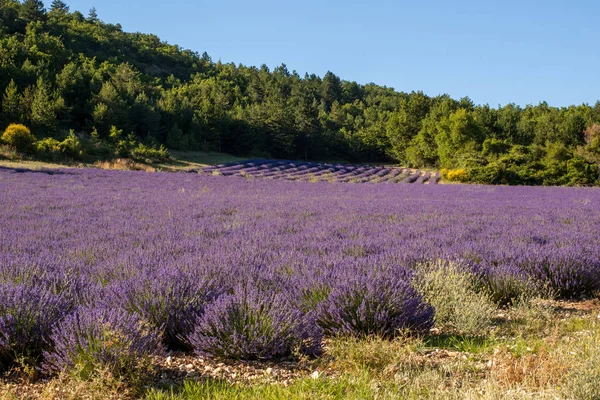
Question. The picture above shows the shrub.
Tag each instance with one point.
(567, 271)
(71, 146)
(455, 175)
(20, 137)
(141, 151)
(27, 315)
(507, 284)
(48, 148)
(451, 290)
(170, 300)
(95, 339)
(374, 304)
(254, 324)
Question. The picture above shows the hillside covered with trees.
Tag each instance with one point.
(62, 71)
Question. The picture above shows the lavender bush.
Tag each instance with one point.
(374, 304)
(91, 339)
(169, 299)
(27, 315)
(254, 324)
(508, 284)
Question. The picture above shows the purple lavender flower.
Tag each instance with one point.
(92, 338)
(254, 324)
(27, 314)
(168, 298)
(374, 304)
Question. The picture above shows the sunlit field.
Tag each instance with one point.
(126, 284)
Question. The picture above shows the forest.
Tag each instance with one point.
(72, 78)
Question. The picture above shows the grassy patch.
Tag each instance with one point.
(179, 161)
(201, 158)
(534, 351)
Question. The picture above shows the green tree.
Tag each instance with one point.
(93, 16)
(11, 103)
(332, 89)
(144, 117)
(32, 10)
(59, 7)
(43, 116)
(423, 149)
(405, 123)
(458, 135)
(9, 17)
(110, 109)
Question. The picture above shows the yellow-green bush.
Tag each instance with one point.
(455, 175)
(19, 136)
(51, 148)
(71, 146)
(152, 153)
(48, 148)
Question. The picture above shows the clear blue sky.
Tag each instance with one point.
(494, 52)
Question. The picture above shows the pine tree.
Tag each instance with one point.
(10, 103)
(33, 10)
(43, 115)
(59, 6)
(93, 16)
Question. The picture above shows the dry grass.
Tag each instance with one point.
(124, 164)
(180, 161)
(536, 350)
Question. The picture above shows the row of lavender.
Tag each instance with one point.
(311, 171)
(95, 265)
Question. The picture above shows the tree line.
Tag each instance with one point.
(63, 71)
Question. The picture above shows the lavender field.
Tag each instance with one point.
(322, 172)
(261, 269)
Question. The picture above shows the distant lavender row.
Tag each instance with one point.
(186, 253)
(303, 171)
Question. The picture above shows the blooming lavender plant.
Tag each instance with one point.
(169, 299)
(507, 284)
(254, 324)
(374, 304)
(27, 314)
(101, 338)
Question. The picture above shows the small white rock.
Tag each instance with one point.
(315, 375)
(269, 370)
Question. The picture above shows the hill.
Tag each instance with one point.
(62, 71)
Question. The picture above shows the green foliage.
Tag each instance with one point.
(152, 153)
(71, 146)
(10, 102)
(48, 149)
(20, 137)
(494, 147)
(453, 292)
(457, 134)
(60, 70)
(52, 149)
